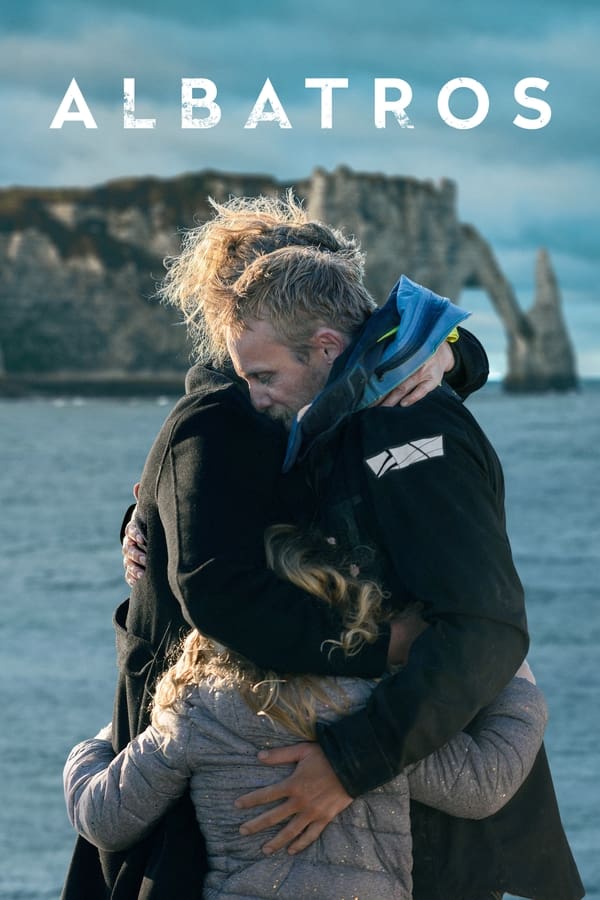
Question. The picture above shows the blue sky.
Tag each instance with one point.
(521, 189)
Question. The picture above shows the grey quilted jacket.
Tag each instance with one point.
(364, 853)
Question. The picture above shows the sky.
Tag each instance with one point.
(522, 189)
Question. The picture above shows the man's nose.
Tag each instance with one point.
(259, 396)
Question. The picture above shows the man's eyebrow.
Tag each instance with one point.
(254, 371)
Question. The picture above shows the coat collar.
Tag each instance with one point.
(394, 342)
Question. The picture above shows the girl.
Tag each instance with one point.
(213, 711)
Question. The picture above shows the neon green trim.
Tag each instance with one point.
(387, 334)
(451, 338)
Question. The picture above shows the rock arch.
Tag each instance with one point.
(411, 226)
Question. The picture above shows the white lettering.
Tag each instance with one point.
(189, 102)
(200, 109)
(81, 113)
(397, 107)
(129, 119)
(523, 99)
(483, 103)
(327, 86)
(258, 112)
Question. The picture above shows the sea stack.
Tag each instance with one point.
(543, 360)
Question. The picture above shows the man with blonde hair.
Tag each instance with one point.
(285, 300)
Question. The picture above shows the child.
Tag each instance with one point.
(213, 711)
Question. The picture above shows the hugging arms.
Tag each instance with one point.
(284, 299)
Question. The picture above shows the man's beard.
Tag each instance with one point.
(282, 414)
(308, 387)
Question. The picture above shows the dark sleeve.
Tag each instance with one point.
(215, 497)
(441, 523)
(126, 520)
(471, 366)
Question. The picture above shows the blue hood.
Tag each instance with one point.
(395, 341)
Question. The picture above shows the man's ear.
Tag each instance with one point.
(329, 343)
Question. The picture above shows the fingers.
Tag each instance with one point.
(297, 827)
(133, 574)
(312, 796)
(134, 557)
(424, 380)
(132, 553)
(270, 818)
(134, 533)
(445, 357)
(308, 837)
(282, 755)
(394, 397)
(420, 391)
(409, 392)
(302, 827)
(269, 794)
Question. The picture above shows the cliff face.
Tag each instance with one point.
(78, 268)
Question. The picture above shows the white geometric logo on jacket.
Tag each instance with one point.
(406, 455)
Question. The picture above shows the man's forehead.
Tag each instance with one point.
(255, 348)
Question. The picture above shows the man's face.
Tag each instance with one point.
(280, 384)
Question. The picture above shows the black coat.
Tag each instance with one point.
(424, 487)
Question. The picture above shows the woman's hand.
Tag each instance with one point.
(134, 552)
(133, 547)
(424, 380)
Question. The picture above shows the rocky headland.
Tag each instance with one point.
(79, 268)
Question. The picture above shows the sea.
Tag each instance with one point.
(67, 466)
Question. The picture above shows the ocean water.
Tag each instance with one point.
(66, 470)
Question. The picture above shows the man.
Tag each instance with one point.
(368, 484)
(210, 486)
(292, 324)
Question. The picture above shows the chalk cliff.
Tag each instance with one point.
(78, 268)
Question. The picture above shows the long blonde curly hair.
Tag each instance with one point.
(307, 560)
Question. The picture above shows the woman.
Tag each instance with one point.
(213, 711)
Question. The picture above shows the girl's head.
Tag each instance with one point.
(314, 564)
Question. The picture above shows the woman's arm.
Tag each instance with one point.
(477, 772)
(114, 801)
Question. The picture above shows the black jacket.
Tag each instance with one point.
(424, 487)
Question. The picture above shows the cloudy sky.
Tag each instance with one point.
(521, 188)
